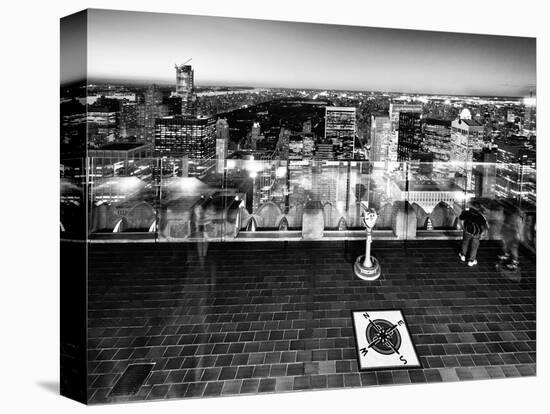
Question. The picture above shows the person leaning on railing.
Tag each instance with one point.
(474, 225)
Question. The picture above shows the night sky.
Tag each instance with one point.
(145, 46)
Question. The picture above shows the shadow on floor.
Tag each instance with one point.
(50, 386)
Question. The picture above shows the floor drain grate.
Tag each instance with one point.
(133, 378)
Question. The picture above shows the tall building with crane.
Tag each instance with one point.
(185, 87)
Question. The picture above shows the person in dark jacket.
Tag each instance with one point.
(474, 226)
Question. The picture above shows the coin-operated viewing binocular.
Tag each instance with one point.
(366, 266)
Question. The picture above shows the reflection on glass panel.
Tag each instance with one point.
(190, 200)
(123, 196)
(262, 192)
(72, 200)
(195, 204)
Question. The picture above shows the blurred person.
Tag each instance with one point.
(512, 228)
(474, 226)
(201, 226)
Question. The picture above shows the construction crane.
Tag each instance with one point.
(187, 61)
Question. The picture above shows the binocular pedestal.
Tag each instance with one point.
(367, 272)
(366, 267)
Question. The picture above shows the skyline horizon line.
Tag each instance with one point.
(166, 82)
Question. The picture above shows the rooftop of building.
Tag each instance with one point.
(122, 146)
(436, 121)
(341, 108)
(274, 317)
(469, 122)
(405, 104)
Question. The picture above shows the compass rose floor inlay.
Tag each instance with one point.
(383, 340)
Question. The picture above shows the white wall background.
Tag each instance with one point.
(29, 203)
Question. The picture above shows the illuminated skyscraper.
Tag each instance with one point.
(398, 107)
(176, 136)
(128, 120)
(222, 129)
(255, 134)
(340, 131)
(185, 88)
(152, 109)
(222, 140)
(409, 136)
(184, 79)
(381, 137)
(437, 138)
(516, 172)
(466, 137)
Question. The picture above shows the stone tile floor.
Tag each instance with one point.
(269, 317)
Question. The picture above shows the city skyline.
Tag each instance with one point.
(143, 47)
